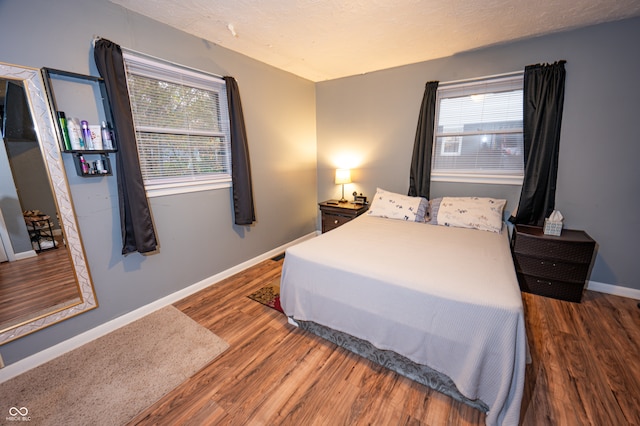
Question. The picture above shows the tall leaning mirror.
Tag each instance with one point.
(44, 278)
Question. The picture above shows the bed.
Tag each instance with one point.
(439, 304)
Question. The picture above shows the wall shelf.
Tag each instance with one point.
(92, 168)
(85, 161)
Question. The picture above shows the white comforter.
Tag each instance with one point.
(443, 297)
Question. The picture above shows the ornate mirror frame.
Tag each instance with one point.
(47, 136)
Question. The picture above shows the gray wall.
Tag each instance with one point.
(373, 117)
(196, 232)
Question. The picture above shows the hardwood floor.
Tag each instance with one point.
(585, 369)
(36, 285)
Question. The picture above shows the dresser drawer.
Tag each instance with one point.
(557, 249)
(571, 292)
(331, 221)
(551, 269)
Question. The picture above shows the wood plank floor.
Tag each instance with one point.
(585, 369)
(36, 285)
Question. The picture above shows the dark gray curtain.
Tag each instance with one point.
(420, 176)
(543, 98)
(138, 233)
(240, 165)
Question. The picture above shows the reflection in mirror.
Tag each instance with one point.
(43, 273)
(41, 280)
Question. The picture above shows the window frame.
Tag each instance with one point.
(470, 177)
(154, 68)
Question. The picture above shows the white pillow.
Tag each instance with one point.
(472, 212)
(396, 206)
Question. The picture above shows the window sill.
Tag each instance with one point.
(173, 189)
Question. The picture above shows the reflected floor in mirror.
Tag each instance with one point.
(36, 286)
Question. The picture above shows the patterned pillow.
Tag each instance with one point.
(396, 206)
(471, 212)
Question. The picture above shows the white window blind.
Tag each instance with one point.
(478, 135)
(182, 125)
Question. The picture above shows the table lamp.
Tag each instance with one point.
(343, 176)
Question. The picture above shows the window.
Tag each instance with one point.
(478, 135)
(182, 126)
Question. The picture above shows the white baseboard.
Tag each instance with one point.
(616, 290)
(26, 254)
(19, 367)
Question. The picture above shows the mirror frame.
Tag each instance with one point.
(48, 140)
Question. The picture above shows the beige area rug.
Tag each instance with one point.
(110, 380)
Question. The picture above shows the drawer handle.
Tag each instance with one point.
(548, 263)
(335, 222)
(543, 282)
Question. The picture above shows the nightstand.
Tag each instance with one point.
(552, 266)
(334, 215)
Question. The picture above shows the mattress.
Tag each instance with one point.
(443, 297)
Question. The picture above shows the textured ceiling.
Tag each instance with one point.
(327, 39)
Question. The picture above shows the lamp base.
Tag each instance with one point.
(342, 200)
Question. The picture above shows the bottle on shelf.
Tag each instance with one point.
(84, 165)
(86, 134)
(62, 119)
(96, 137)
(75, 133)
(99, 167)
(107, 141)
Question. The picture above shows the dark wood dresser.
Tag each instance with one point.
(334, 215)
(552, 266)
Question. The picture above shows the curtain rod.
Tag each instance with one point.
(469, 80)
(135, 52)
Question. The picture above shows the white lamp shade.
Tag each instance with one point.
(343, 176)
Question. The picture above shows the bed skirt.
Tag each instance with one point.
(394, 362)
